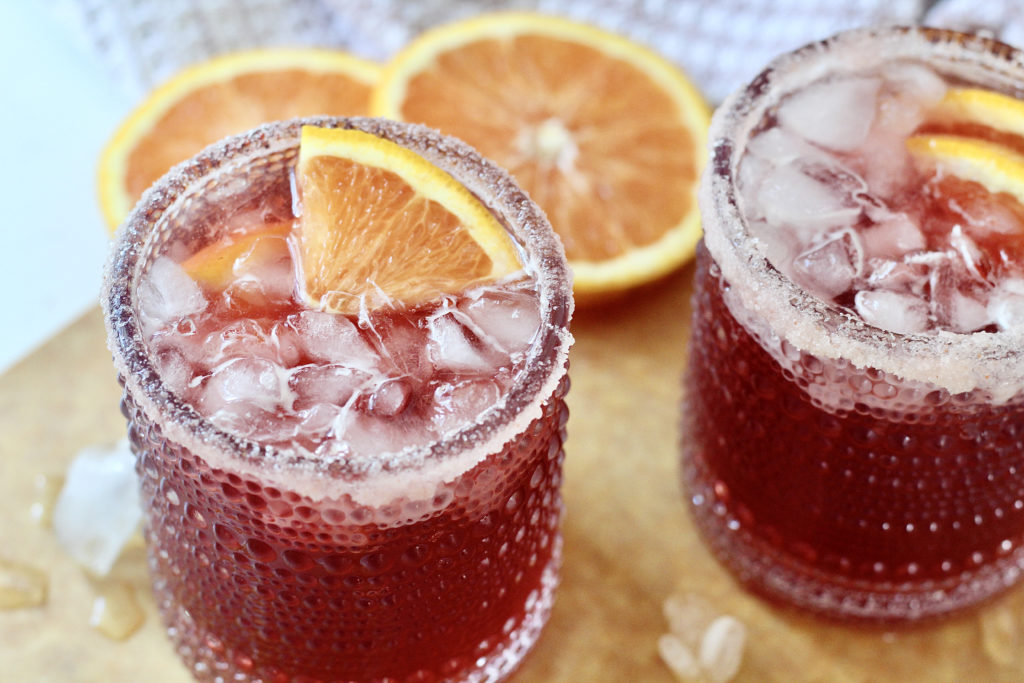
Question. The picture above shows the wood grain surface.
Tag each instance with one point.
(628, 541)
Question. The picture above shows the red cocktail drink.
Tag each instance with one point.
(332, 497)
(856, 382)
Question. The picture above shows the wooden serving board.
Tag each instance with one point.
(628, 541)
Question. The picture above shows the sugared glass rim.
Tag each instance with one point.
(319, 476)
(992, 362)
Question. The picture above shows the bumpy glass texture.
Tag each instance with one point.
(266, 584)
(433, 563)
(865, 513)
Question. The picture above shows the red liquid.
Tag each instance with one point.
(325, 570)
(260, 581)
(857, 514)
(274, 585)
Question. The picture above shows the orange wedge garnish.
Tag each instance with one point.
(382, 226)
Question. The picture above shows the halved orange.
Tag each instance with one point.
(382, 226)
(605, 135)
(221, 97)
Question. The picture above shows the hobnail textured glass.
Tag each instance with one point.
(276, 566)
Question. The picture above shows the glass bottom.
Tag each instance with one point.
(208, 662)
(783, 579)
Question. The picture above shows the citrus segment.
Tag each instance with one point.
(222, 97)
(381, 225)
(993, 166)
(213, 266)
(605, 135)
(975, 106)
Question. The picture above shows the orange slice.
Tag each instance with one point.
(993, 166)
(213, 266)
(605, 135)
(222, 97)
(382, 226)
(985, 107)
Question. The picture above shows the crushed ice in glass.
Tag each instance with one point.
(840, 206)
(167, 294)
(269, 368)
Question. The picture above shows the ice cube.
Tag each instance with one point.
(830, 268)
(403, 346)
(1006, 305)
(264, 275)
(318, 420)
(508, 321)
(967, 313)
(970, 256)
(253, 422)
(331, 384)
(893, 311)
(892, 237)
(98, 509)
(175, 370)
(721, 648)
(898, 276)
(451, 348)
(789, 196)
(457, 405)
(369, 434)
(237, 339)
(780, 146)
(688, 616)
(914, 80)
(334, 339)
(891, 166)
(779, 244)
(957, 286)
(278, 281)
(751, 176)
(678, 657)
(910, 91)
(166, 293)
(286, 342)
(254, 381)
(836, 114)
(390, 397)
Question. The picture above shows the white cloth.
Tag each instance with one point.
(1002, 19)
(721, 43)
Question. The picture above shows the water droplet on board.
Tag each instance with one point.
(46, 488)
(116, 612)
(21, 585)
(1000, 637)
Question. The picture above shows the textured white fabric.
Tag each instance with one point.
(721, 43)
(1002, 19)
(144, 42)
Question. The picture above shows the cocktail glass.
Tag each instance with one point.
(831, 465)
(435, 563)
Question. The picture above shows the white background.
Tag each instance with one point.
(57, 109)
